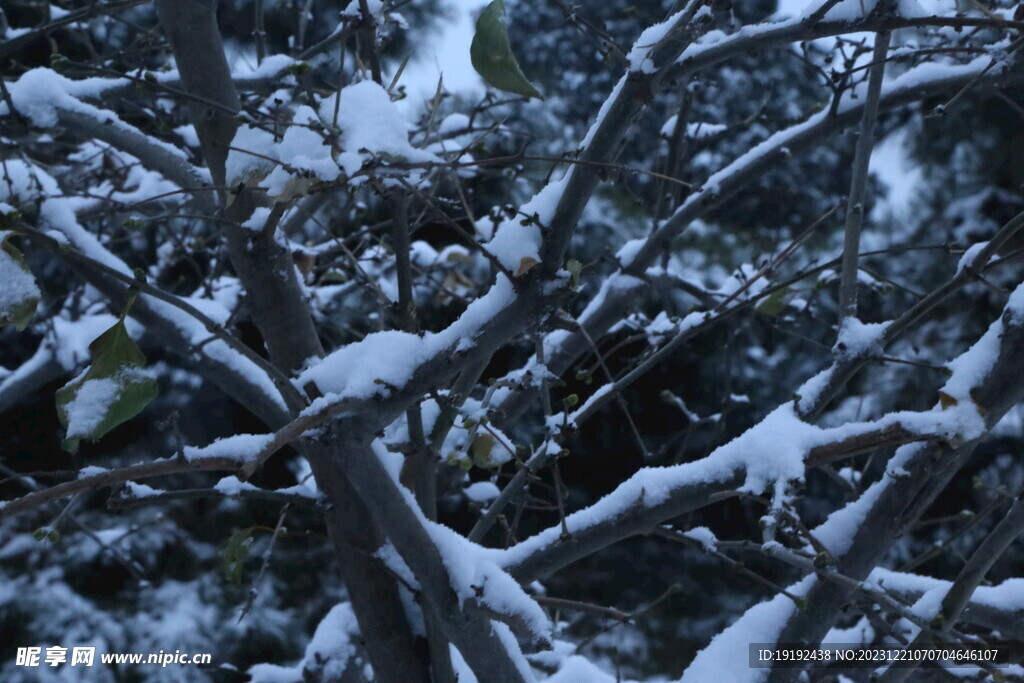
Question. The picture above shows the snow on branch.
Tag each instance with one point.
(47, 98)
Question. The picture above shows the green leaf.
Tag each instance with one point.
(774, 303)
(113, 389)
(19, 294)
(480, 449)
(235, 553)
(492, 56)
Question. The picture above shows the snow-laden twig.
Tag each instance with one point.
(609, 305)
(967, 581)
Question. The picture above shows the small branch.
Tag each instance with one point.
(159, 468)
(858, 186)
(253, 592)
(369, 33)
(120, 502)
(588, 608)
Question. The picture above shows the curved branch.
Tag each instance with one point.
(121, 475)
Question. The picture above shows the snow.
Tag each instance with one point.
(837, 532)
(327, 655)
(810, 391)
(353, 9)
(389, 358)
(617, 285)
(1015, 304)
(970, 368)
(725, 657)
(300, 149)
(242, 167)
(640, 55)
(463, 674)
(393, 561)
(91, 471)
(454, 123)
(17, 286)
(694, 129)
(857, 339)
(258, 219)
(578, 668)
(474, 573)
(272, 65)
(598, 395)
(613, 96)
(41, 93)
(892, 163)
(70, 339)
(333, 644)
(233, 486)
(967, 260)
(482, 492)
(1008, 595)
(769, 454)
(359, 369)
(705, 536)
(628, 252)
(188, 135)
(370, 121)
(513, 242)
(90, 405)
(302, 154)
(241, 447)
(137, 490)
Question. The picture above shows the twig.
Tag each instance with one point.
(858, 185)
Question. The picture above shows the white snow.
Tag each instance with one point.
(967, 260)
(482, 492)
(17, 286)
(333, 643)
(705, 536)
(474, 573)
(769, 454)
(454, 123)
(628, 252)
(972, 367)
(369, 121)
(514, 242)
(858, 339)
(90, 405)
(725, 657)
(640, 55)
(39, 94)
(233, 486)
(241, 447)
(389, 358)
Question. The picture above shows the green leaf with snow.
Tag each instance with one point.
(19, 294)
(491, 53)
(113, 389)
